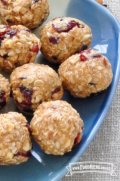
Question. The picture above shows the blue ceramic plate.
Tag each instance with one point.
(105, 30)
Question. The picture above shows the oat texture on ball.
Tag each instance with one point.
(4, 91)
(15, 141)
(17, 47)
(56, 127)
(34, 83)
(63, 37)
(30, 13)
(86, 73)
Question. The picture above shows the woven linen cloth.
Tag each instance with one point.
(105, 146)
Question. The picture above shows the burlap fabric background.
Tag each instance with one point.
(106, 145)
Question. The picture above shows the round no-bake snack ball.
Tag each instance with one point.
(15, 141)
(34, 83)
(56, 127)
(85, 73)
(17, 47)
(30, 13)
(4, 91)
(63, 37)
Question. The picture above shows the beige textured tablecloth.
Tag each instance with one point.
(106, 145)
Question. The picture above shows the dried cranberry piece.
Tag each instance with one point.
(54, 39)
(0, 42)
(6, 30)
(77, 139)
(35, 48)
(2, 94)
(28, 127)
(96, 56)
(27, 94)
(24, 106)
(2, 99)
(2, 37)
(82, 128)
(83, 58)
(70, 25)
(86, 51)
(56, 90)
(12, 32)
(4, 2)
(105, 62)
(27, 154)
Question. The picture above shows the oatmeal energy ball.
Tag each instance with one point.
(30, 13)
(15, 141)
(56, 127)
(4, 91)
(63, 37)
(86, 73)
(34, 83)
(17, 47)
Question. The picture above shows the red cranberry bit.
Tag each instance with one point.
(96, 56)
(4, 2)
(2, 99)
(35, 48)
(72, 24)
(69, 26)
(77, 139)
(4, 32)
(28, 127)
(0, 42)
(27, 154)
(27, 94)
(7, 32)
(56, 90)
(12, 32)
(86, 51)
(83, 58)
(105, 62)
(54, 39)
(24, 106)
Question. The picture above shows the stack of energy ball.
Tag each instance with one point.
(37, 88)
